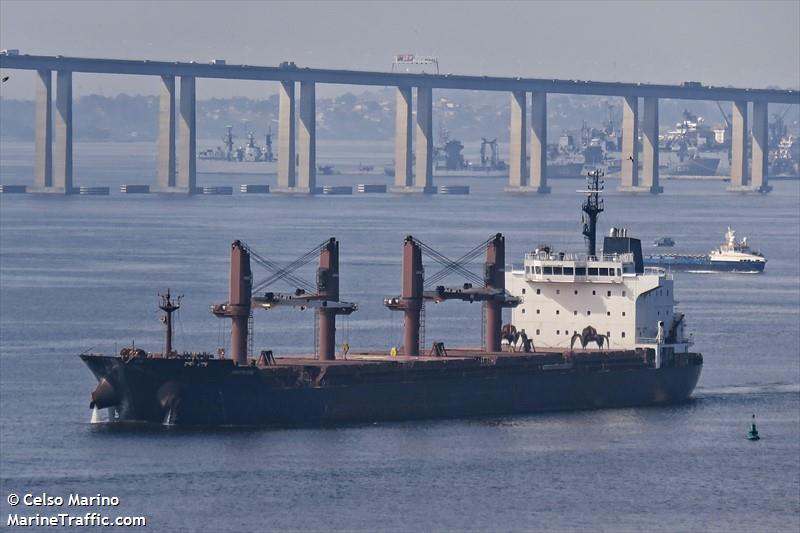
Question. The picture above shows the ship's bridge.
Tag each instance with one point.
(543, 265)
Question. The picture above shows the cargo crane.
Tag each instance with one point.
(490, 288)
(322, 296)
(490, 161)
(777, 128)
(227, 140)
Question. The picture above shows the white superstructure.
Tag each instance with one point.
(562, 294)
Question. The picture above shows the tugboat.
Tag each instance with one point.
(604, 298)
(664, 242)
(731, 256)
(753, 433)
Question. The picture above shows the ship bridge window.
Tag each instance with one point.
(604, 272)
(592, 271)
(568, 271)
(580, 271)
(619, 272)
(548, 271)
(628, 269)
(557, 271)
(538, 269)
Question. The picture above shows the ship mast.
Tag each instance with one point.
(169, 306)
(592, 207)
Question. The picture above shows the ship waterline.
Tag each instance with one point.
(369, 388)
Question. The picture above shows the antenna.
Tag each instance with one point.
(592, 206)
(169, 306)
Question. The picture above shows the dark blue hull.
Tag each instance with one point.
(217, 392)
(701, 263)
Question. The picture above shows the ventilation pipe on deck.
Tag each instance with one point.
(328, 290)
(494, 278)
(413, 278)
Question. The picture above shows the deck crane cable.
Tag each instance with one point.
(279, 272)
(297, 263)
(451, 266)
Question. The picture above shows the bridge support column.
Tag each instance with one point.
(307, 179)
(650, 178)
(629, 176)
(518, 165)
(740, 178)
(287, 170)
(62, 163)
(43, 166)
(423, 180)
(187, 162)
(403, 170)
(166, 135)
(538, 175)
(760, 162)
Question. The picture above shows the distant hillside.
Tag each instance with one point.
(466, 115)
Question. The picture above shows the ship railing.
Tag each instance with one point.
(654, 340)
(657, 271)
(545, 256)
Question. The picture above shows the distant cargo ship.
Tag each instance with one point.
(730, 256)
(693, 166)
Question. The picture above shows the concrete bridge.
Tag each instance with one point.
(177, 162)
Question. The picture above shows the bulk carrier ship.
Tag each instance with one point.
(587, 331)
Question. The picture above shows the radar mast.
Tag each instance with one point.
(592, 206)
(169, 305)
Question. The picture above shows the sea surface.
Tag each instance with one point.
(83, 273)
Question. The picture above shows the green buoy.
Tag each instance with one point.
(753, 433)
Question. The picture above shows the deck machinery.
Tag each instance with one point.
(413, 295)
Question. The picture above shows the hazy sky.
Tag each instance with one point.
(740, 43)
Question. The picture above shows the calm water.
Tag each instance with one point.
(79, 273)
